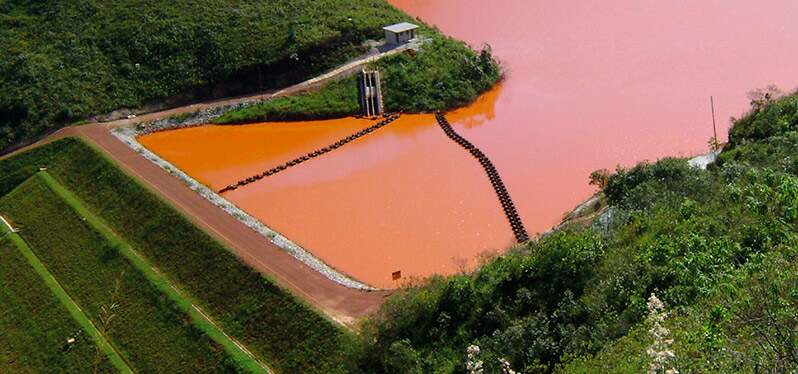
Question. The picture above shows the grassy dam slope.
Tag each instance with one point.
(84, 246)
(240, 354)
(145, 327)
(36, 323)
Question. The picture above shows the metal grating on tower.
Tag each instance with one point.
(370, 93)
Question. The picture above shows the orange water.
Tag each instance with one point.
(590, 85)
(220, 155)
(404, 198)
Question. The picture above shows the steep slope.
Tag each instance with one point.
(716, 246)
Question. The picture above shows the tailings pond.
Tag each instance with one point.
(589, 85)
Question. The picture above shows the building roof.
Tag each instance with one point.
(400, 27)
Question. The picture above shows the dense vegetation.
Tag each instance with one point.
(36, 326)
(446, 73)
(65, 61)
(147, 329)
(289, 335)
(336, 99)
(718, 247)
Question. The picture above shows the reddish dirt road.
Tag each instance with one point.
(343, 304)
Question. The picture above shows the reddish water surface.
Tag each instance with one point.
(590, 85)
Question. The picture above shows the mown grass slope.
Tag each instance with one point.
(245, 360)
(146, 328)
(35, 325)
(64, 61)
(288, 334)
(718, 247)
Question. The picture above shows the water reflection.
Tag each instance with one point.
(478, 113)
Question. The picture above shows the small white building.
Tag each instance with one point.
(400, 33)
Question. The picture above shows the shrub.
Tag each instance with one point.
(600, 178)
(767, 118)
(776, 152)
(670, 178)
(445, 74)
(576, 302)
(336, 99)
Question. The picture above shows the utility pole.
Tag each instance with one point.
(714, 128)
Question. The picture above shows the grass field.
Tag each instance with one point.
(35, 325)
(9, 181)
(240, 354)
(148, 330)
(291, 335)
(105, 349)
(288, 334)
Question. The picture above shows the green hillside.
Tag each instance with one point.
(65, 61)
(717, 247)
(147, 330)
(280, 330)
(444, 74)
(35, 325)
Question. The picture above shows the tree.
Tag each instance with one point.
(600, 178)
(764, 96)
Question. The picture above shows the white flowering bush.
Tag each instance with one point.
(476, 366)
(473, 364)
(506, 369)
(659, 352)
